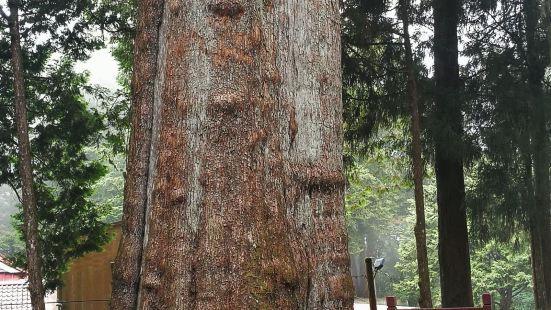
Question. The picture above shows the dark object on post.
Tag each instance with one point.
(379, 263)
(370, 283)
(486, 304)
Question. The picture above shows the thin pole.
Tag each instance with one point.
(370, 283)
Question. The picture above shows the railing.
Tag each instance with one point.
(391, 304)
(90, 304)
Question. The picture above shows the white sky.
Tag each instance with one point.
(102, 67)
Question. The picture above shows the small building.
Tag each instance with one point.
(87, 284)
(8, 273)
(14, 292)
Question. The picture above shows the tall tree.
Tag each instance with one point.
(454, 258)
(540, 215)
(425, 295)
(234, 191)
(508, 58)
(380, 75)
(62, 125)
(34, 265)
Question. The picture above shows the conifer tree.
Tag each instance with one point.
(59, 125)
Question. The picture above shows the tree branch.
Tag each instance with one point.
(10, 184)
(4, 15)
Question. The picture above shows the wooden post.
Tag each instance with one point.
(391, 303)
(486, 301)
(370, 283)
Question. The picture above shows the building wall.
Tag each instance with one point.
(87, 285)
(11, 276)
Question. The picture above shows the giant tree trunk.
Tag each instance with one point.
(34, 263)
(234, 194)
(455, 270)
(425, 295)
(540, 214)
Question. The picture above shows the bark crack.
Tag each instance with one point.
(229, 9)
(154, 132)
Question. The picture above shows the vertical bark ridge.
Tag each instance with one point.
(127, 269)
(158, 105)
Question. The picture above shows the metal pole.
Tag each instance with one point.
(370, 283)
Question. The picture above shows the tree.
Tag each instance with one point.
(34, 266)
(447, 132)
(509, 56)
(51, 95)
(425, 295)
(503, 271)
(406, 287)
(374, 81)
(378, 196)
(234, 191)
(541, 213)
(376, 68)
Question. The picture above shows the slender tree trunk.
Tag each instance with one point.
(506, 299)
(234, 197)
(34, 263)
(454, 257)
(537, 269)
(425, 295)
(535, 239)
(540, 220)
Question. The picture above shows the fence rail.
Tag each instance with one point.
(91, 304)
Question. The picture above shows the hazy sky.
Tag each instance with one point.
(102, 67)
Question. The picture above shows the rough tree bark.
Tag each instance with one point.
(540, 215)
(453, 252)
(34, 263)
(425, 295)
(234, 194)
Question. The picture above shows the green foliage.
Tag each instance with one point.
(55, 34)
(374, 75)
(108, 191)
(377, 199)
(61, 26)
(500, 113)
(125, 13)
(11, 243)
(69, 223)
(373, 79)
(118, 18)
(497, 107)
(504, 271)
(406, 288)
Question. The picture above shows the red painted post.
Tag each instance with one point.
(391, 303)
(487, 301)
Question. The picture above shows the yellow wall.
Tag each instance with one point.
(89, 278)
